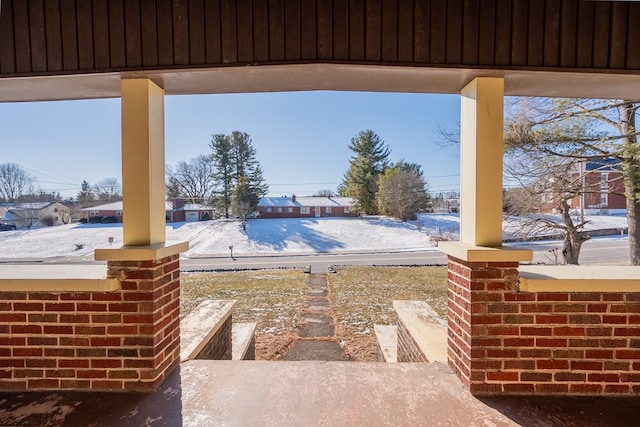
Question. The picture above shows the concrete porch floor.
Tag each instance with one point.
(261, 393)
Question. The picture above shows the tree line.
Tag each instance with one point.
(229, 178)
(379, 187)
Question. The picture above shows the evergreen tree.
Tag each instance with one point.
(223, 171)
(86, 195)
(368, 162)
(234, 159)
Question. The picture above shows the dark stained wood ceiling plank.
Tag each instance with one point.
(37, 36)
(308, 25)
(276, 31)
(357, 30)
(213, 32)
(253, 36)
(22, 37)
(229, 32)
(535, 33)
(117, 47)
(197, 46)
(133, 38)
(292, 30)
(181, 32)
(7, 47)
(470, 30)
(502, 53)
(551, 52)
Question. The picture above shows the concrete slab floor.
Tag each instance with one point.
(260, 393)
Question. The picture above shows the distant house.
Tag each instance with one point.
(176, 211)
(604, 184)
(190, 212)
(36, 214)
(306, 207)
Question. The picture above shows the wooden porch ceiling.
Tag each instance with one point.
(309, 77)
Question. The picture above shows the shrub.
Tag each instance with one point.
(48, 220)
(95, 220)
(109, 219)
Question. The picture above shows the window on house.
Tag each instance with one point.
(278, 209)
(118, 213)
(268, 209)
(327, 209)
(305, 210)
(604, 200)
(346, 210)
(289, 210)
(604, 179)
(94, 213)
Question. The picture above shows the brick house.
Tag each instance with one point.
(604, 187)
(306, 207)
(181, 211)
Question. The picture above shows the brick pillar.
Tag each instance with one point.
(154, 351)
(476, 301)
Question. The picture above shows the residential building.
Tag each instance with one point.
(306, 207)
(176, 211)
(36, 214)
(604, 188)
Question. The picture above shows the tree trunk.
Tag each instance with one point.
(631, 167)
(574, 239)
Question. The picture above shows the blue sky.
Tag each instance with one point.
(301, 138)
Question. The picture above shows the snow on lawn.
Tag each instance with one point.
(262, 236)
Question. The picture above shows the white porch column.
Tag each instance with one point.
(481, 155)
(143, 184)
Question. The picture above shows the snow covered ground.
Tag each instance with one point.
(262, 236)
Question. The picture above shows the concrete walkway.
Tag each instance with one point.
(204, 393)
(316, 335)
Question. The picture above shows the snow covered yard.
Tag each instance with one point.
(263, 236)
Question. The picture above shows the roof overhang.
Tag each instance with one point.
(330, 77)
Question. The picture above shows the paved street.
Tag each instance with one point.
(600, 251)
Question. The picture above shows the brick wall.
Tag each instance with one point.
(219, 346)
(125, 340)
(504, 341)
(408, 350)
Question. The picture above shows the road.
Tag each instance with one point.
(600, 251)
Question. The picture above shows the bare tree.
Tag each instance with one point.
(192, 180)
(241, 200)
(323, 193)
(545, 182)
(15, 182)
(402, 193)
(108, 190)
(583, 129)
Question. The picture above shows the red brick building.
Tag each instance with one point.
(604, 188)
(306, 207)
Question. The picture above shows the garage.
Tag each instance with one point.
(191, 216)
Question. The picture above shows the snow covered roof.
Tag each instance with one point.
(194, 207)
(604, 165)
(283, 202)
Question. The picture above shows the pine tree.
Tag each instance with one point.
(86, 196)
(234, 160)
(223, 174)
(369, 161)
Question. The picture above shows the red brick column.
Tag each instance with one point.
(125, 340)
(504, 341)
(152, 350)
(473, 286)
